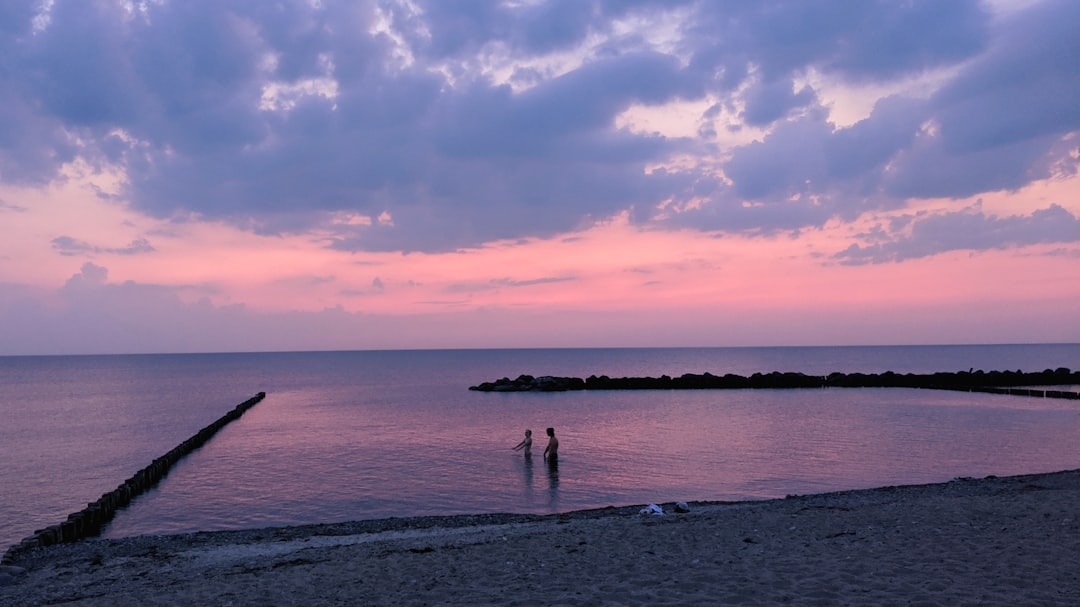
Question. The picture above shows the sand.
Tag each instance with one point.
(992, 541)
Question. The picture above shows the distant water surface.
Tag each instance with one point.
(352, 435)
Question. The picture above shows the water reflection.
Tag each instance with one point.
(553, 482)
(687, 445)
(527, 478)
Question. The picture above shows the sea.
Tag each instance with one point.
(374, 434)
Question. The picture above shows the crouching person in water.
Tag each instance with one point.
(551, 452)
(526, 444)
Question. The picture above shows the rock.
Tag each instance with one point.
(682, 507)
(548, 383)
(508, 388)
(971, 380)
(10, 574)
(652, 510)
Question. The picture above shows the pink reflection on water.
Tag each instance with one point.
(333, 454)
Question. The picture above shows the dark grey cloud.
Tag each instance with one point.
(865, 147)
(928, 170)
(997, 126)
(1023, 88)
(807, 171)
(998, 122)
(90, 275)
(768, 102)
(278, 117)
(790, 161)
(461, 26)
(500, 283)
(69, 247)
(862, 41)
(507, 282)
(11, 208)
(924, 235)
(305, 281)
(455, 28)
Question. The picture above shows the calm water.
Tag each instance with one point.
(352, 435)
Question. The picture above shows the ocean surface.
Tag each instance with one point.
(357, 435)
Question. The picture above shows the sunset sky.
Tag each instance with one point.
(255, 175)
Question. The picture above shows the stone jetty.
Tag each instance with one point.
(996, 382)
(89, 521)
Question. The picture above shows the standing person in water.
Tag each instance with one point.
(526, 444)
(551, 452)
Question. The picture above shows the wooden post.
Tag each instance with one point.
(89, 521)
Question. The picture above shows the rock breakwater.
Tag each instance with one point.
(998, 382)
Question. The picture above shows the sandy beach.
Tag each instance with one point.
(993, 541)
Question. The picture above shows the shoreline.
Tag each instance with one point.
(995, 540)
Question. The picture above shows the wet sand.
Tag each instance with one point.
(993, 541)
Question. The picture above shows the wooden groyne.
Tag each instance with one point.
(995, 382)
(89, 521)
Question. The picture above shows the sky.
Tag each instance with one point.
(258, 175)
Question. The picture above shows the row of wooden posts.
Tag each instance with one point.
(89, 521)
(1022, 392)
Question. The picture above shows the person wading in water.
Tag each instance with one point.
(526, 444)
(551, 452)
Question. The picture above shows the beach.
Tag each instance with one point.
(990, 541)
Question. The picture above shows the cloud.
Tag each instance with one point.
(305, 281)
(506, 282)
(499, 283)
(69, 246)
(90, 314)
(913, 237)
(807, 171)
(91, 275)
(767, 103)
(11, 208)
(1023, 88)
(996, 125)
(864, 149)
(862, 41)
(438, 125)
(929, 170)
